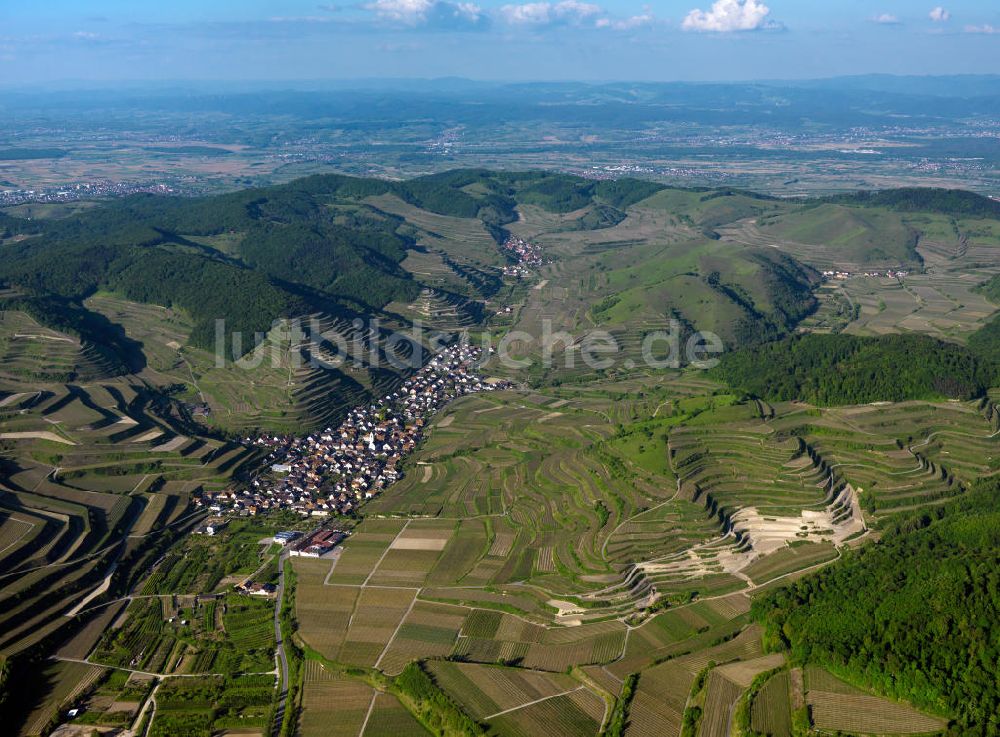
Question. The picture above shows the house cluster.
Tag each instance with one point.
(333, 471)
(888, 273)
(82, 191)
(526, 254)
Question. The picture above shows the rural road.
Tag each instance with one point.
(279, 714)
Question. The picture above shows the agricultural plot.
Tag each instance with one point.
(606, 513)
(333, 705)
(788, 560)
(642, 274)
(61, 684)
(531, 505)
(207, 564)
(162, 635)
(900, 456)
(770, 712)
(576, 714)
(378, 614)
(490, 636)
(660, 699)
(190, 706)
(114, 700)
(365, 550)
(323, 612)
(354, 624)
(831, 236)
(835, 705)
(720, 699)
(89, 466)
(389, 718)
(286, 392)
(486, 690)
(428, 631)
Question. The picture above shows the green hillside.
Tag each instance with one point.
(847, 369)
(913, 617)
(626, 256)
(862, 235)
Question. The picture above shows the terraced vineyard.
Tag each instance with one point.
(289, 390)
(836, 705)
(624, 531)
(95, 474)
(97, 481)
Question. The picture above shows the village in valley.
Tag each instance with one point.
(334, 471)
(899, 273)
(525, 254)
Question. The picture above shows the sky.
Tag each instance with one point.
(61, 41)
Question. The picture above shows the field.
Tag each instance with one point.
(170, 635)
(771, 709)
(286, 391)
(835, 705)
(332, 704)
(626, 529)
(602, 539)
(190, 706)
(63, 683)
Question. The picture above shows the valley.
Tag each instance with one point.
(563, 545)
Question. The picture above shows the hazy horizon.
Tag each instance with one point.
(670, 40)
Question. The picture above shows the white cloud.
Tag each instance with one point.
(986, 29)
(940, 15)
(626, 24)
(730, 15)
(887, 19)
(545, 14)
(410, 12)
(436, 13)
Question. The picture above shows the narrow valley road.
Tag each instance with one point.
(279, 644)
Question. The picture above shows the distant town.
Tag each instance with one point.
(83, 191)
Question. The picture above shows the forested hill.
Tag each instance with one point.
(848, 369)
(954, 202)
(252, 256)
(255, 255)
(913, 616)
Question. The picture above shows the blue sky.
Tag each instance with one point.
(108, 40)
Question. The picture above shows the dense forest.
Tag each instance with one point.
(954, 202)
(985, 343)
(847, 369)
(912, 616)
